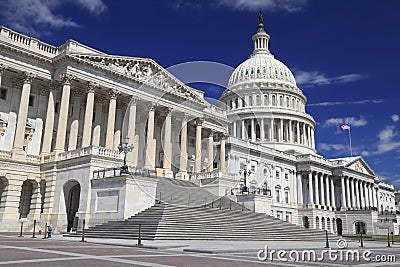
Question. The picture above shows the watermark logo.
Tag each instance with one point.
(342, 254)
(341, 243)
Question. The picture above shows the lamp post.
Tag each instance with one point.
(125, 148)
(245, 174)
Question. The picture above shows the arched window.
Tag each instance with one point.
(257, 131)
(281, 101)
(250, 100)
(258, 100)
(273, 100)
(266, 100)
(249, 131)
(287, 102)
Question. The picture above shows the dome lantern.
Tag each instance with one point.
(261, 38)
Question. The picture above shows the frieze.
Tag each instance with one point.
(146, 72)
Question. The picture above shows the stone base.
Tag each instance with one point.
(182, 176)
(167, 173)
(18, 154)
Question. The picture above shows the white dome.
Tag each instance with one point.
(261, 67)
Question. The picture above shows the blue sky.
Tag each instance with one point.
(344, 54)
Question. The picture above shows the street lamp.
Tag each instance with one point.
(125, 148)
(245, 174)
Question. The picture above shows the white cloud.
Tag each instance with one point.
(273, 5)
(36, 16)
(332, 147)
(316, 78)
(354, 122)
(387, 134)
(360, 102)
(395, 118)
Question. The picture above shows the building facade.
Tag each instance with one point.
(65, 110)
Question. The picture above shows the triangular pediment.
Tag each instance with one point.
(144, 71)
(359, 165)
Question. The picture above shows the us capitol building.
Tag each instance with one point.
(65, 110)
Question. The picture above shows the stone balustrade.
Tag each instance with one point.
(28, 42)
(314, 158)
(33, 158)
(93, 150)
(5, 154)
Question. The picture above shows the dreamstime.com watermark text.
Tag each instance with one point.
(336, 255)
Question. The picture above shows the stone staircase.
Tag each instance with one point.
(174, 222)
(185, 211)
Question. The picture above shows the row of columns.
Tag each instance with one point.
(287, 131)
(91, 135)
(358, 194)
(321, 187)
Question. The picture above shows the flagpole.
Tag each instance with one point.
(351, 150)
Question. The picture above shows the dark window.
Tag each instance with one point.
(31, 100)
(3, 94)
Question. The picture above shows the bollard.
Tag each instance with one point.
(34, 229)
(20, 233)
(361, 239)
(392, 238)
(45, 232)
(326, 239)
(230, 204)
(83, 230)
(139, 241)
(388, 239)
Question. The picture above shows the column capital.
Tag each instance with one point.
(199, 121)
(112, 93)
(53, 84)
(77, 92)
(151, 106)
(100, 98)
(2, 68)
(223, 135)
(67, 78)
(134, 100)
(27, 77)
(91, 87)
(166, 111)
(43, 91)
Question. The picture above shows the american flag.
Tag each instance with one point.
(345, 127)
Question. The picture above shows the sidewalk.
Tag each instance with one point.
(215, 247)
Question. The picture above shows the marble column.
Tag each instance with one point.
(63, 115)
(210, 166)
(328, 191)
(353, 198)
(197, 163)
(132, 157)
(290, 132)
(98, 117)
(222, 153)
(234, 132)
(312, 138)
(262, 130)
(118, 127)
(344, 204)
(366, 192)
(74, 127)
(150, 141)
(375, 197)
(280, 130)
(362, 194)
(298, 133)
(111, 119)
(310, 189)
(183, 156)
(22, 118)
(349, 202)
(371, 198)
(88, 121)
(304, 134)
(357, 194)
(317, 200)
(299, 190)
(333, 202)
(271, 131)
(167, 140)
(243, 131)
(49, 126)
(322, 189)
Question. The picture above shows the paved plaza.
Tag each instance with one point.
(59, 251)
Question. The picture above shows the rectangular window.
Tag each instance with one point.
(3, 94)
(286, 197)
(253, 168)
(277, 174)
(31, 100)
(286, 176)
